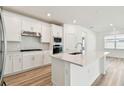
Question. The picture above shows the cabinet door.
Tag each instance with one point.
(28, 61)
(36, 27)
(56, 30)
(38, 59)
(45, 33)
(12, 27)
(60, 31)
(31, 25)
(26, 25)
(8, 65)
(17, 63)
(47, 58)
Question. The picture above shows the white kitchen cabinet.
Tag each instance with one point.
(26, 26)
(46, 58)
(36, 27)
(17, 62)
(23, 61)
(46, 33)
(57, 31)
(32, 59)
(8, 65)
(28, 61)
(38, 61)
(12, 27)
(31, 26)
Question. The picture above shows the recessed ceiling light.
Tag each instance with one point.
(111, 24)
(74, 21)
(48, 14)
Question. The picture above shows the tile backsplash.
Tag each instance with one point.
(29, 42)
(16, 46)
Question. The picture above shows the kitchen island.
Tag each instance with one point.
(77, 70)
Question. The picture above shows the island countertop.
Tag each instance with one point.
(80, 59)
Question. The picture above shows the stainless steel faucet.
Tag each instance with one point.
(82, 48)
(80, 43)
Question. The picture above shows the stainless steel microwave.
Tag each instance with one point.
(57, 39)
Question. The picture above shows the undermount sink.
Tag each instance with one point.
(75, 53)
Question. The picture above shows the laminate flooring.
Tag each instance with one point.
(37, 77)
(114, 74)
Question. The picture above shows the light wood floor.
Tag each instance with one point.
(114, 75)
(36, 77)
(42, 76)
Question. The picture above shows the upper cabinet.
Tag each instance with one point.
(31, 25)
(57, 31)
(16, 24)
(46, 33)
(12, 27)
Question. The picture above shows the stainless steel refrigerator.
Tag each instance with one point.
(2, 49)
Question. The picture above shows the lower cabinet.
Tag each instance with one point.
(28, 61)
(23, 61)
(33, 59)
(46, 58)
(8, 65)
(13, 63)
(17, 63)
(38, 59)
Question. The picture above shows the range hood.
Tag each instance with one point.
(33, 34)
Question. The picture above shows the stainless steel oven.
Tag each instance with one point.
(57, 49)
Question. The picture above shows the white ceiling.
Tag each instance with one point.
(97, 18)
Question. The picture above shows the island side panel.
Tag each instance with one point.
(60, 72)
(78, 75)
(84, 75)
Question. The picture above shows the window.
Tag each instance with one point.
(109, 42)
(120, 41)
(114, 41)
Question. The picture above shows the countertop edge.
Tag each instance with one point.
(67, 61)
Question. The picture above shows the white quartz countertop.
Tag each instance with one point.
(80, 59)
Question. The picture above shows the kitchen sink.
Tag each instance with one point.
(75, 53)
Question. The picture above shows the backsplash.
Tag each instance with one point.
(17, 46)
(13, 46)
(28, 42)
